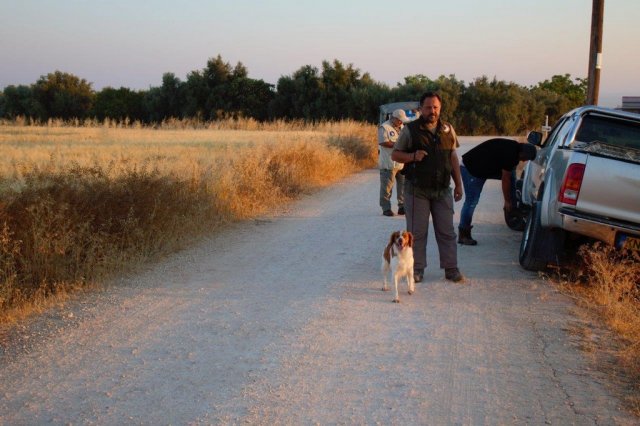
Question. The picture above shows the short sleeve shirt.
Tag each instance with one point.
(387, 133)
(490, 158)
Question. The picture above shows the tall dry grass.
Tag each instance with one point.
(82, 202)
(607, 282)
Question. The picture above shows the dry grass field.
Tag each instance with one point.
(607, 283)
(80, 202)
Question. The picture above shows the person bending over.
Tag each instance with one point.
(493, 159)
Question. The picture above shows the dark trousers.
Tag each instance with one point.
(387, 179)
(418, 211)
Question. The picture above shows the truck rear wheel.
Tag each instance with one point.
(539, 245)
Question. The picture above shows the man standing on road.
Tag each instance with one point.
(390, 170)
(493, 159)
(427, 147)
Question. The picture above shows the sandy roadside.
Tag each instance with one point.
(281, 321)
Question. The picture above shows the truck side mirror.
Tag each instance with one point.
(534, 138)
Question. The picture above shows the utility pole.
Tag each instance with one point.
(595, 52)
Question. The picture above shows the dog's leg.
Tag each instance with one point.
(410, 279)
(395, 283)
(385, 273)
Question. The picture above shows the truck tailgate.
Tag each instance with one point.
(611, 189)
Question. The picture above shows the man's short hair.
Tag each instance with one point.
(426, 95)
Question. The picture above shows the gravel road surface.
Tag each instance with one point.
(281, 320)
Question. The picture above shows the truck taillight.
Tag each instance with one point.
(571, 185)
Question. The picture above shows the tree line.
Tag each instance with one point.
(333, 92)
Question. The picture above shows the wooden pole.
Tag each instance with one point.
(595, 52)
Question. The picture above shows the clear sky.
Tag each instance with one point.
(131, 43)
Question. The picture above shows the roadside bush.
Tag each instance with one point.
(612, 279)
(607, 282)
(65, 226)
(73, 227)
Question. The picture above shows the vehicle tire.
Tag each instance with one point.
(516, 219)
(539, 245)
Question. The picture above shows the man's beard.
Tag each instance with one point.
(431, 118)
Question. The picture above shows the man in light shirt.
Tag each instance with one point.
(390, 170)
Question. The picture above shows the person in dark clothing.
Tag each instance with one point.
(427, 148)
(493, 159)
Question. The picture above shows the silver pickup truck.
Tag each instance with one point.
(585, 180)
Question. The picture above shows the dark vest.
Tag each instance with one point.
(433, 173)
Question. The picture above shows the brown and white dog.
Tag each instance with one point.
(398, 259)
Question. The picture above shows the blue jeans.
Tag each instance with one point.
(472, 190)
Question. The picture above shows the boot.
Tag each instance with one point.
(453, 274)
(464, 237)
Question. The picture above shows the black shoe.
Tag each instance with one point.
(464, 237)
(388, 213)
(453, 274)
(400, 211)
(417, 276)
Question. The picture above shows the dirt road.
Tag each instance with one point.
(281, 320)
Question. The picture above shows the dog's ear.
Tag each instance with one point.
(393, 237)
(410, 238)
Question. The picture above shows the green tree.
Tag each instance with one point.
(250, 98)
(560, 94)
(63, 95)
(449, 88)
(217, 75)
(494, 108)
(412, 88)
(19, 101)
(171, 97)
(196, 94)
(474, 115)
(120, 104)
(297, 96)
(337, 92)
(575, 93)
(281, 106)
(366, 100)
(222, 90)
(152, 103)
(337, 84)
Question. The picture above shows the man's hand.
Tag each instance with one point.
(419, 155)
(507, 206)
(457, 193)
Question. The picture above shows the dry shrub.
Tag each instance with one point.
(66, 229)
(357, 142)
(363, 152)
(66, 225)
(9, 255)
(224, 123)
(612, 280)
(607, 281)
(265, 176)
